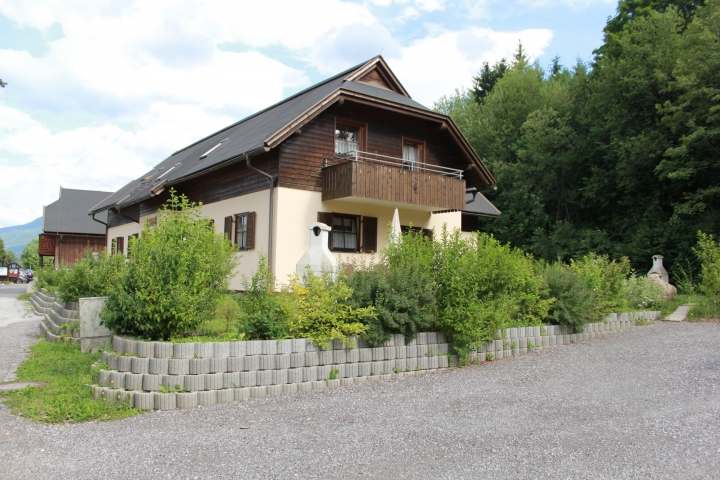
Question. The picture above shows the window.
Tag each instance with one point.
(132, 243)
(240, 230)
(345, 233)
(151, 222)
(349, 230)
(117, 246)
(348, 138)
(470, 223)
(425, 231)
(412, 154)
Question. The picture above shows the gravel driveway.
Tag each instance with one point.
(640, 404)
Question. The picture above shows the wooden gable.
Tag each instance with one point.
(374, 78)
(378, 74)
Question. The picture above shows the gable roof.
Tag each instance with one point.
(69, 214)
(267, 128)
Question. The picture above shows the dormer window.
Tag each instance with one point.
(348, 138)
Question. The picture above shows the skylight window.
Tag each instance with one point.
(168, 171)
(204, 155)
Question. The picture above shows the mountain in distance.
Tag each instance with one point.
(18, 236)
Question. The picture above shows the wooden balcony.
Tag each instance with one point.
(391, 184)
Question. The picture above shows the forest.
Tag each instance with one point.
(617, 156)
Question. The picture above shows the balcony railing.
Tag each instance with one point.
(411, 165)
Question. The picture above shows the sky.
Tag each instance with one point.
(99, 91)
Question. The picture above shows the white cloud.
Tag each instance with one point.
(435, 66)
(149, 77)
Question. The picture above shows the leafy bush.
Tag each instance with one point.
(484, 286)
(402, 291)
(264, 315)
(319, 311)
(606, 278)
(226, 319)
(642, 294)
(575, 303)
(93, 276)
(49, 278)
(708, 252)
(174, 277)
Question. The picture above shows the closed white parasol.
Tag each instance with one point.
(395, 232)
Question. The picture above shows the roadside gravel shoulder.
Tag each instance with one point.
(18, 331)
(637, 404)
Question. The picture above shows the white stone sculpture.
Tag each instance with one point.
(318, 256)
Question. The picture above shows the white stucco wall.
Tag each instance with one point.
(297, 209)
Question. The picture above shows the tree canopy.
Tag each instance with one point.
(618, 157)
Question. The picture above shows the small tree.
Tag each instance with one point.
(174, 277)
(29, 257)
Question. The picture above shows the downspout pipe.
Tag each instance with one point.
(272, 179)
(100, 221)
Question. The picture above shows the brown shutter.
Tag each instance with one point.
(369, 234)
(121, 245)
(228, 227)
(250, 237)
(327, 219)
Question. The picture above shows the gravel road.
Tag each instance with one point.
(18, 329)
(639, 404)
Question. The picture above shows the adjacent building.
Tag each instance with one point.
(68, 230)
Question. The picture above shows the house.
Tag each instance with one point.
(345, 152)
(68, 231)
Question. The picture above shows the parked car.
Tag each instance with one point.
(29, 274)
(22, 277)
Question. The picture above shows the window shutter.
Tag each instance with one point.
(250, 240)
(428, 233)
(121, 245)
(228, 228)
(327, 219)
(369, 234)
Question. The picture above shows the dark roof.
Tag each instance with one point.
(373, 91)
(69, 214)
(481, 206)
(253, 134)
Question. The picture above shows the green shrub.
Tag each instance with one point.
(402, 291)
(264, 314)
(226, 318)
(641, 294)
(484, 286)
(93, 276)
(708, 252)
(174, 277)
(319, 311)
(49, 278)
(575, 303)
(606, 278)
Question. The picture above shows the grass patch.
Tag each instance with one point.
(671, 305)
(66, 398)
(704, 311)
(25, 296)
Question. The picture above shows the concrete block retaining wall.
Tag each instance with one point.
(54, 315)
(211, 373)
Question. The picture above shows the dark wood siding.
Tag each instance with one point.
(301, 156)
(228, 182)
(71, 248)
(392, 184)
